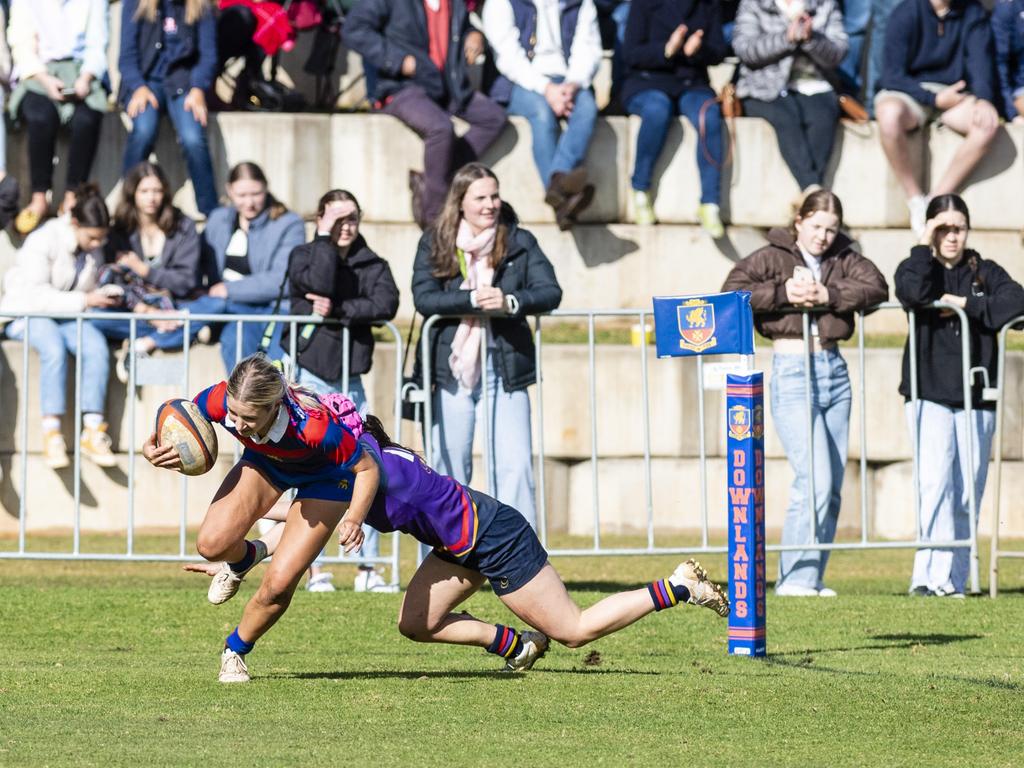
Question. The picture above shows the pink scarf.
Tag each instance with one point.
(465, 357)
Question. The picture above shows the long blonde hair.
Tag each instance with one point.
(443, 257)
(256, 381)
(194, 9)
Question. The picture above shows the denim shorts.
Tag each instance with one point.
(332, 484)
(507, 551)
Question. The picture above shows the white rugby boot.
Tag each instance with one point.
(535, 645)
(703, 591)
(225, 583)
(232, 668)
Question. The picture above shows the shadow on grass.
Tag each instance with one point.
(889, 643)
(448, 675)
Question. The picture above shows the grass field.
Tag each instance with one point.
(115, 664)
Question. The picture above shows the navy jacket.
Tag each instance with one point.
(362, 291)
(993, 299)
(525, 272)
(194, 66)
(179, 269)
(921, 48)
(1008, 35)
(386, 31)
(650, 24)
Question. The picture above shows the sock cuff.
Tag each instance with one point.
(665, 594)
(506, 642)
(247, 561)
(237, 644)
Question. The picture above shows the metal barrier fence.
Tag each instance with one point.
(996, 553)
(642, 317)
(391, 560)
(651, 547)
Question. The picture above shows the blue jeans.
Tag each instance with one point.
(191, 138)
(555, 150)
(830, 410)
(945, 503)
(357, 394)
(620, 15)
(511, 449)
(656, 110)
(118, 330)
(856, 17)
(880, 12)
(53, 340)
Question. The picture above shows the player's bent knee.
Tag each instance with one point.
(414, 629)
(211, 546)
(275, 592)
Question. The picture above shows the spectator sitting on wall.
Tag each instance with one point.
(669, 47)
(168, 62)
(547, 53)
(56, 270)
(154, 252)
(937, 66)
(1008, 35)
(9, 190)
(788, 53)
(60, 63)
(420, 49)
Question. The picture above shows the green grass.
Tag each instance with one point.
(112, 664)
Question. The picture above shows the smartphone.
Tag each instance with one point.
(69, 93)
(803, 274)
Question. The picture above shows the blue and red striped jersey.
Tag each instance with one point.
(314, 440)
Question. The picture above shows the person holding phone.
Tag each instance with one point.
(811, 267)
(941, 268)
(60, 61)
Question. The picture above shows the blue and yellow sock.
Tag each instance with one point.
(665, 594)
(237, 644)
(246, 562)
(507, 643)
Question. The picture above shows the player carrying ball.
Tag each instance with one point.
(292, 439)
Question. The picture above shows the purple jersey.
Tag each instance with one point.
(414, 499)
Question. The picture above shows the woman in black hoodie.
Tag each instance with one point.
(941, 268)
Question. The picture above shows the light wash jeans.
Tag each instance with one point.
(945, 503)
(53, 340)
(356, 393)
(830, 410)
(555, 150)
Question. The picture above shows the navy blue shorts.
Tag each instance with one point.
(507, 550)
(334, 484)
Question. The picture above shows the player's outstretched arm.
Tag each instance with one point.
(162, 456)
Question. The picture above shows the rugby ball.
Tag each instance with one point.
(180, 423)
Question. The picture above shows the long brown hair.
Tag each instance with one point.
(126, 216)
(251, 171)
(818, 200)
(90, 210)
(194, 9)
(443, 256)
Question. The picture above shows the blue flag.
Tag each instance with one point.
(716, 324)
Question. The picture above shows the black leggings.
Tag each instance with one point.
(41, 119)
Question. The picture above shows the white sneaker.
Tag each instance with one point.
(232, 668)
(320, 583)
(535, 645)
(824, 591)
(702, 591)
(795, 590)
(225, 584)
(918, 206)
(368, 580)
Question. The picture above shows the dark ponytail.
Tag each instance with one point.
(90, 209)
(373, 427)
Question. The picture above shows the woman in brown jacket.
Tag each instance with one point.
(809, 266)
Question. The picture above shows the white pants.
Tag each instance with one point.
(945, 501)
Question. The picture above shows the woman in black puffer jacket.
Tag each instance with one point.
(477, 262)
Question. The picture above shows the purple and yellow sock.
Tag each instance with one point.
(246, 562)
(665, 594)
(507, 643)
(237, 644)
